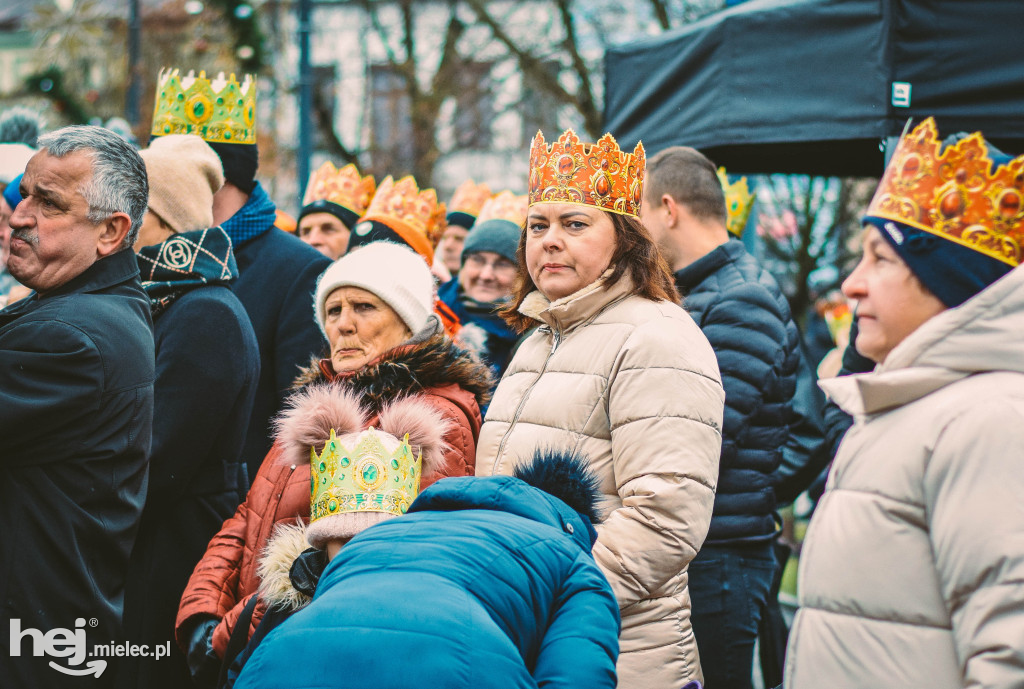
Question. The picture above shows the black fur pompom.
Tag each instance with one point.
(565, 475)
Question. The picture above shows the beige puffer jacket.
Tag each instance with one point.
(633, 384)
(912, 574)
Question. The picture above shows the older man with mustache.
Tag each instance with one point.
(76, 394)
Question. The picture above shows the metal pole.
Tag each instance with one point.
(134, 95)
(305, 99)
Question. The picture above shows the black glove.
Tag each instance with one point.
(203, 663)
(306, 570)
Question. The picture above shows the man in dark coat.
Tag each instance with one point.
(747, 320)
(277, 271)
(207, 366)
(76, 408)
(277, 274)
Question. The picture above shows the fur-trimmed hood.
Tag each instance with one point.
(405, 370)
(276, 589)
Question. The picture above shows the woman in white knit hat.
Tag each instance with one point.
(207, 366)
(375, 308)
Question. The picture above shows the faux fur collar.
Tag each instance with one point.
(407, 370)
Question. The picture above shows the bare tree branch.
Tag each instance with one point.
(661, 13)
(585, 102)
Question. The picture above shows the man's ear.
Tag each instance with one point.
(114, 229)
(671, 207)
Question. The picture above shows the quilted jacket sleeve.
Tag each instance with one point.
(665, 406)
(581, 643)
(460, 459)
(973, 489)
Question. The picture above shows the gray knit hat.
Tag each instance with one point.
(184, 174)
(499, 236)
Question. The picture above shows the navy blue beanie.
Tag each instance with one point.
(12, 192)
(497, 235)
(952, 272)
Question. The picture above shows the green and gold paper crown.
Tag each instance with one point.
(365, 478)
(222, 111)
(738, 202)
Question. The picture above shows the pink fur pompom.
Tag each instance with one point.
(425, 426)
(309, 416)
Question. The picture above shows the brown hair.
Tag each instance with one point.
(635, 253)
(690, 178)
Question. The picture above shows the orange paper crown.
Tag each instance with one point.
(954, 193)
(738, 202)
(415, 215)
(505, 206)
(598, 175)
(469, 198)
(345, 187)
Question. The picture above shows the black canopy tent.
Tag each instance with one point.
(814, 86)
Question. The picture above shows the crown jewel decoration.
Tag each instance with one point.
(599, 175)
(365, 478)
(955, 194)
(469, 198)
(223, 111)
(738, 202)
(415, 215)
(505, 206)
(345, 187)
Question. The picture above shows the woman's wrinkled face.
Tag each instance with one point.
(360, 327)
(891, 302)
(568, 247)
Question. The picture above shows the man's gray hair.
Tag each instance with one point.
(119, 183)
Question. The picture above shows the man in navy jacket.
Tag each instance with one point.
(76, 408)
(277, 274)
(747, 320)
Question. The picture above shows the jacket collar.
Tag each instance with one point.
(981, 335)
(692, 275)
(568, 312)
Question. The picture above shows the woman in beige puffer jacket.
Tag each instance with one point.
(912, 574)
(620, 373)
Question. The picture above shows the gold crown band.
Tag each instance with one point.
(954, 193)
(738, 202)
(366, 478)
(220, 112)
(598, 175)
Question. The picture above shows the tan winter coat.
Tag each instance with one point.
(633, 384)
(912, 574)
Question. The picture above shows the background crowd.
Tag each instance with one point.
(518, 440)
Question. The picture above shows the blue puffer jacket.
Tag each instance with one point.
(743, 313)
(487, 582)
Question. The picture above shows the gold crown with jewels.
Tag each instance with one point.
(505, 206)
(738, 202)
(599, 174)
(221, 111)
(416, 216)
(469, 198)
(955, 193)
(344, 187)
(366, 478)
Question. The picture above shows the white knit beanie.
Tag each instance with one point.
(184, 174)
(396, 274)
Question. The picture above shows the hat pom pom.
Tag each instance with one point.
(425, 427)
(310, 415)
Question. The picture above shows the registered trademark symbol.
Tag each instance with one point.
(93, 622)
